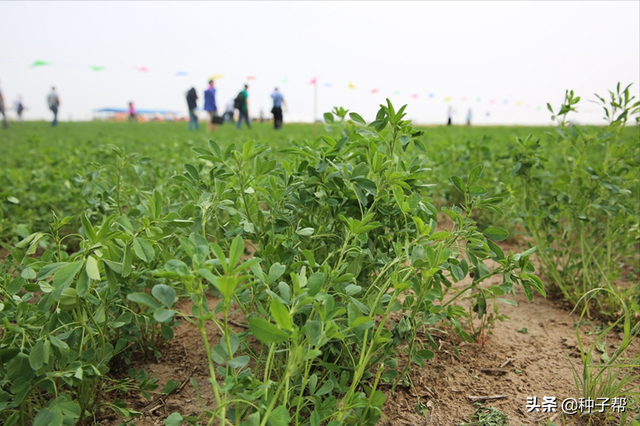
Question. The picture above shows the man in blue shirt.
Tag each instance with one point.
(210, 106)
(278, 101)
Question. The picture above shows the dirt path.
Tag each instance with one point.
(529, 364)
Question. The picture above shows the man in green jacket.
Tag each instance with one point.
(243, 108)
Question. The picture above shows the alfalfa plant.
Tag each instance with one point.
(613, 375)
(581, 207)
(349, 267)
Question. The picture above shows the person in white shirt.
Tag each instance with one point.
(278, 101)
(54, 103)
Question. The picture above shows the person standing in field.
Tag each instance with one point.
(132, 112)
(229, 110)
(54, 103)
(278, 101)
(242, 103)
(469, 115)
(192, 104)
(5, 123)
(19, 107)
(449, 115)
(210, 106)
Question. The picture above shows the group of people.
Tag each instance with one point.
(19, 109)
(241, 103)
(450, 113)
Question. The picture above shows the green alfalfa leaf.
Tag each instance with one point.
(313, 330)
(157, 204)
(63, 278)
(275, 272)
(227, 286)
(126, 261)
(143, 249)
(308, 254)
(248, 150)
(279, 417)
(215, 148)
(266, 332)
(165, 294)
(143, 299)
(357, 118)
(205, 273)
(326, 388)
(495, 233)
(314, 419)
(496, 249)
(47, 417)
(237, 247)
(60, 344)
(477, 190)
(305, 232)
(425, 354)
(362, 321)
(252, 419)
(92, 269)
(315, 283)
(328, 118)
(280, 314)
(192, 171)
(163, 315)
(175, 419)
(217, 250)
(474, 175)
(39, 354)
(457, 182)
(88, 229)
(82, 285)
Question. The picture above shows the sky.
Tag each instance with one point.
(502, 60)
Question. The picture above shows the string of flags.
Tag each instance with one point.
(315, 81)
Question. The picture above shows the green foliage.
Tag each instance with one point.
(581, 206)
(349, 262)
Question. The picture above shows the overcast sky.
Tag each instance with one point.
(518, 55)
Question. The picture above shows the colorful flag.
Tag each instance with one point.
(142, 69)
(181, 73)
(414, 96)
(375, 91)
(328, 85)
(447, 99)
(397, 92)
(314, 80)
(519, 103)
(251, 77)
(478, 99)
(96, 68)
(352, 86)
(216, 77)
(431, 95)
(39, 64)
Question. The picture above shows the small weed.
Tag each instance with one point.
(523, 330)
(487, 416)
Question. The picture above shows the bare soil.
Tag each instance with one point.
(512, 364)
